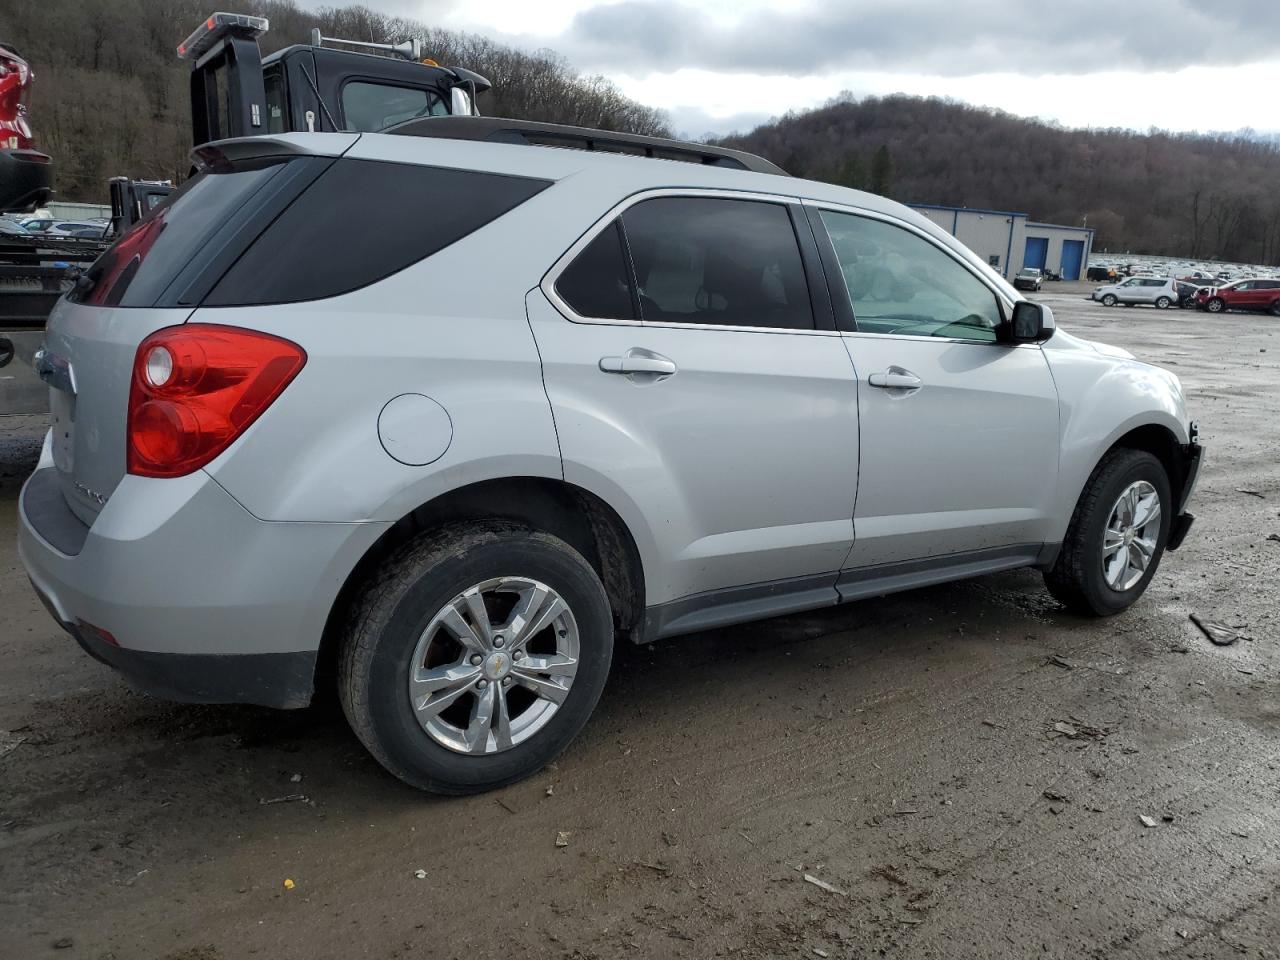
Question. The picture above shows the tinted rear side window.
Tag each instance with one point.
(137, 268)
(597, 284)
(710, 261)
(361, 221)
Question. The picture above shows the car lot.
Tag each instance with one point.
(966, 765)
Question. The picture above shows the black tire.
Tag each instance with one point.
(1163, 303)
(407, 591)
(1109, 300)
(1215, 305)
(1275, 308)
(1076, 579)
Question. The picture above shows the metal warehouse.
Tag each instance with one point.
(1010, 241)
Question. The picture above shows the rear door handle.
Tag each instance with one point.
(895, 380)
(638, 364)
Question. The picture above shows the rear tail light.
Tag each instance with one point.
(196, 388)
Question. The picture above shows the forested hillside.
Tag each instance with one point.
(1180, 195)
(110, 96)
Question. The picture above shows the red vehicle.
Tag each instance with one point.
(1241, 295)
(26, 174)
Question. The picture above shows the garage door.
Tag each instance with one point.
(1036, 253)
(1072, 254)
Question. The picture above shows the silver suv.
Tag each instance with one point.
(443, 412)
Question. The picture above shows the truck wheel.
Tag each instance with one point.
(1215, 305)
(1116, 536)
(1109, 300)
(1163, 303)
(475, 655)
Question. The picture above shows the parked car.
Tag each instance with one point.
(66, 228)
(1028, 278)
(644, 398)
(1100, 274)
(1241, 295)
(1187, 290)
(1157, 291)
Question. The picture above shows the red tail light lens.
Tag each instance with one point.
(196, 388)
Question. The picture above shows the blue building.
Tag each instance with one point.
(1009, 241)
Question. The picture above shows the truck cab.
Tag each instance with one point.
(237, 92)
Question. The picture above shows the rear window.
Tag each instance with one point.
(136, 269)
(361, 221)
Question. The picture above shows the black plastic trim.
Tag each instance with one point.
(718, 608)
(838, 294)
(815, 273)
(45, 508)
(285, 681)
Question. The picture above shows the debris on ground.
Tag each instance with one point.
(1252, 493)
(823, 885)
(655, 867)
(1056, 797)
(287, 798)
(818, 952)
(1147, 821)
(1274, 536)
(9, 743)
(1059, 661)
(296, 778)
(562, 837)
(420, 874)
(890, 873)
(1219, 634)
(551, 790)
(62, 943)
(1077, 730)
(289, 884)
(504, 805)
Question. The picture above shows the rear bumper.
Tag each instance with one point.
(184, 592)
(26, 179)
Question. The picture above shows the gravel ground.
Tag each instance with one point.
(902, 751)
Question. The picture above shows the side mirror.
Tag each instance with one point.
(460, 102)
(1031, 323)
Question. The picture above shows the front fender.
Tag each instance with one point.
(1101, 399)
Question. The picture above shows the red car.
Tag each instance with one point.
(26, 179)
(1241, 295)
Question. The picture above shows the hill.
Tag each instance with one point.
(110, 96)
(1160, 193)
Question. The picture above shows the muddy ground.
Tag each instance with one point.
(902, 750)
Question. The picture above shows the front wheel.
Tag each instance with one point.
(1163, 303)
(477, 654)
(1215, 306)
(1109, 300)
(1116, 536)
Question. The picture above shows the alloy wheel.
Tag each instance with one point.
(1129, 542)
(494, 665)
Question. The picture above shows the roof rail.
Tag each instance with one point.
(501, 130)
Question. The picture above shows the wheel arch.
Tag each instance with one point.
(579, 517)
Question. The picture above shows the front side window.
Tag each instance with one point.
(370, 107)
(899, 283)
(705, 260)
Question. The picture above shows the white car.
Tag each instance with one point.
(594, 395)
(1159, 292)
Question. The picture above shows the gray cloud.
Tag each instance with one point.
(945, 37)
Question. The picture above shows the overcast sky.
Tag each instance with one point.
(721, 65)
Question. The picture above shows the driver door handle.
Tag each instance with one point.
(891, 380)
(633, 364)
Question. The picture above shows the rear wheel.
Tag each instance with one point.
(1109, 300)
(1116, 537)
(1163, 303)
(1215, 306)
(477, 654)
(1275, 308)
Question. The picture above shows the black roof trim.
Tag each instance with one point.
(527, 132)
